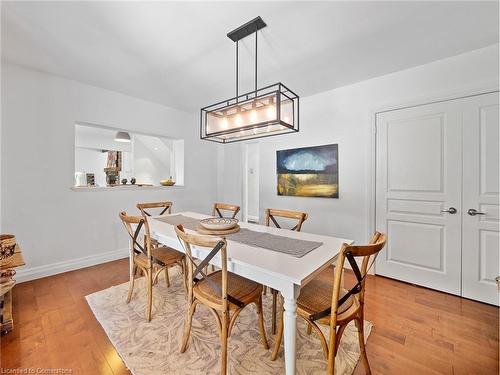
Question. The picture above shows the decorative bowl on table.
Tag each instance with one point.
(7, 245)
(218, 223)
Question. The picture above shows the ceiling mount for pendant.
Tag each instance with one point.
(263, 112)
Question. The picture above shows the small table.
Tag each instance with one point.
(6, 321)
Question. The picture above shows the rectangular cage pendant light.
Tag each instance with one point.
(272, 110)
(269, 111)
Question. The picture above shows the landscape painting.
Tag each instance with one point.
(308, 171)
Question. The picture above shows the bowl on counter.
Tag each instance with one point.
(168, 182)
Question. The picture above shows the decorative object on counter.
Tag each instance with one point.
(308, 171)
(80, 179)
(7, 271)
(168, 182)
(113, 167)
(90, 179)
(124, 181)
(7, 245)
(132, 180)
(218, 223)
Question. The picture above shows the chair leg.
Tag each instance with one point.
(133, 269)
(361, 336)
(232, 320)
(273, 313)
(324, 344)
(187, 326)
(223, 342)
(277, 338)
(167, 278)
(149, 280)
(340, 332)
(264, 290)
(309, 328)
(331, 353)
(261, 323)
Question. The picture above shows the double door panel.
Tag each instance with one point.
(435, 162)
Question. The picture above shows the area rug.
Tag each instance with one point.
(153, 348)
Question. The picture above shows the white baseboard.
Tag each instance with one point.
(252, 219)
(33, 273)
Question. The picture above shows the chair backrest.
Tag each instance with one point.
(134, 226)
(218, 207)
(351, 252)
(194, 269)
(160, 207)
(272, 214)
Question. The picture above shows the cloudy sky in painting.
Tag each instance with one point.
(306, 159)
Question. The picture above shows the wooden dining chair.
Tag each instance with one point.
(222, 292)
(156, 209)
(150, 260)
(219, 207)
(271, 217)
(324, 301)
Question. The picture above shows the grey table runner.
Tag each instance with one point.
(291, 246)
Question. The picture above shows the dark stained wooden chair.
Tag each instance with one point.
(324, 301)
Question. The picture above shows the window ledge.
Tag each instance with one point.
(124, 187)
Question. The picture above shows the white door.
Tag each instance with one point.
(251, 182)
(418, 194)
(480, 244)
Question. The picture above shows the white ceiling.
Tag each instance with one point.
(177, 53)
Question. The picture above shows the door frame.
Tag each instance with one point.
(435, 97)
(244, 213)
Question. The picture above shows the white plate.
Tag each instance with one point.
(216, 223)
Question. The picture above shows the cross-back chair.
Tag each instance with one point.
(222, 292)
(271, 217)
(324, 301)
(272, 214)
(155, 209)
(149, 259)
(219, 207)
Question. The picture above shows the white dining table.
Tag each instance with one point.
(277, 270)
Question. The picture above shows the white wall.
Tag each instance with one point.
(54, 224)
(345, 116)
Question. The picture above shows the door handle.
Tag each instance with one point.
(451, 210)
(474, 212)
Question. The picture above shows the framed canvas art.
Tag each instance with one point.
(308, 171)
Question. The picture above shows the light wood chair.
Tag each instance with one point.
(150, 260)
(155, 209)
(221, 291)
(324, 301)
(218, 207)
(271, 215)
(162, 208)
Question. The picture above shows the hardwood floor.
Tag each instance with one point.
(416, 330)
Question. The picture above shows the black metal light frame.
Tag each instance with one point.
(281, 92)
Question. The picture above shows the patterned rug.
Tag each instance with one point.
(153, 348)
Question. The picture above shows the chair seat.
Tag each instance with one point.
(316, 296)
(164, 254)
(242, 289)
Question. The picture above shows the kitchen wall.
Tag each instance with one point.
(61, 229)
(345, 116)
